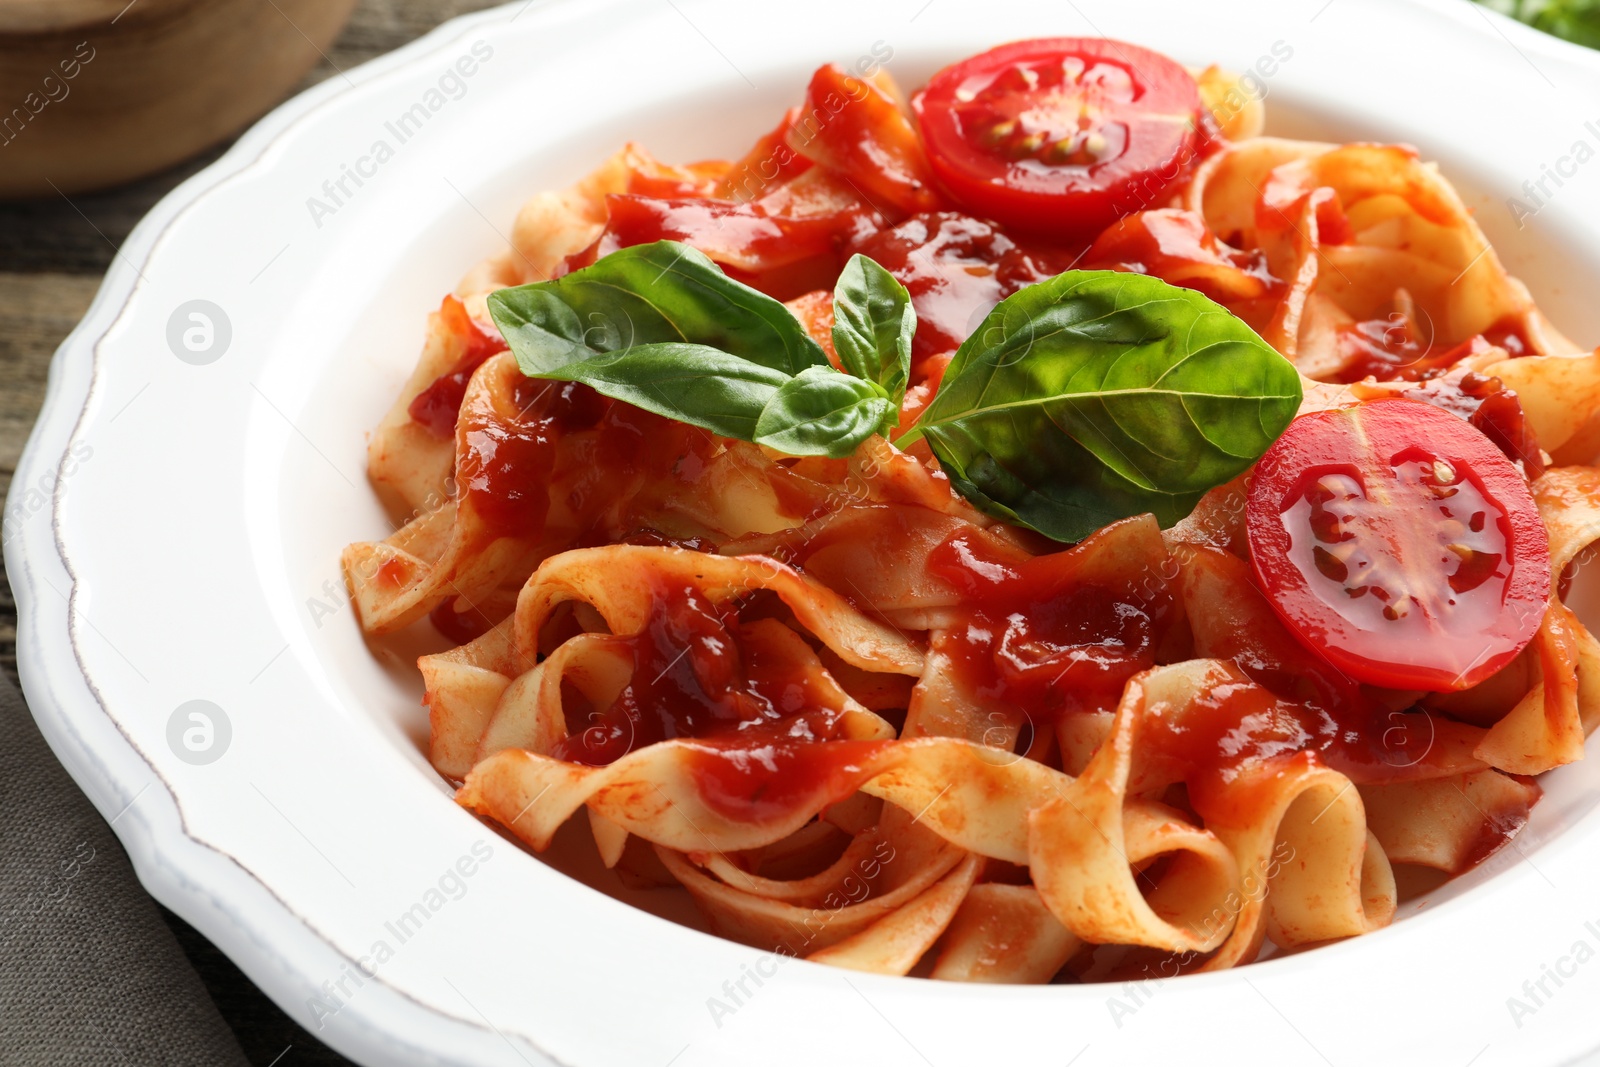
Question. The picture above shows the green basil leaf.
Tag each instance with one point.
(873, 322)
(1097, 395)
(821, 412)
(702, 386)
(648, 294)
(1575, 20)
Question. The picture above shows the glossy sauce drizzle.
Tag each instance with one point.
(956, 269)
(437, 406)
(1044, 636)
(700, 672)
(503, 457)
(780, 255)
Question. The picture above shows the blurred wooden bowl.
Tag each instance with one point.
(95, 92)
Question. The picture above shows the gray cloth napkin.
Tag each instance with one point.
(89, 974)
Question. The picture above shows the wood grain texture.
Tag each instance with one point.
(53, 253)
(36, 312)
(88, 101)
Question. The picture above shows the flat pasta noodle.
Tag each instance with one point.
(1441, 823)
(1233, 101)
(1560, 395)
(596, 577)
(1363, 233)
(1004, 934)
(463, 688)
(654, 793)
(901, 864)
(553, 225)
(895, 943)
(1547, 727)
(874, 553)
(408, 464)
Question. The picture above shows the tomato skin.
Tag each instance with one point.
(855, 128)
(1400, 544)
(1061, 136)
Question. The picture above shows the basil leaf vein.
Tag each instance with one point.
(1097, 395)
(648, 294)
(821, 412)
(873, 323)
(691, 383)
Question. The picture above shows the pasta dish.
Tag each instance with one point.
(1037, 529)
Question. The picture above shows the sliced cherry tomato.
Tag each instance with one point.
(1062, 135)
(1400, 543)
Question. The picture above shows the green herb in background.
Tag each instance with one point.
(1574, 20)
(1087, 398)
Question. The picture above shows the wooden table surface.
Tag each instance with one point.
(53, 253)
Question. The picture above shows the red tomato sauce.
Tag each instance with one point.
(565, 450)
(781, 255)
(504, 457)
(1397, 349)
(956, 268)
(701, 673)
(1486, 404)
(1044, 636)
(436, 407)
(1176, 247)
(754, 781)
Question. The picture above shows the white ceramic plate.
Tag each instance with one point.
(174, 530)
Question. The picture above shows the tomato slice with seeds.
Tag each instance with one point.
(1397, 541)
(1061, 135)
